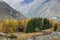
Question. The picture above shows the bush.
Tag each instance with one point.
(12, 36)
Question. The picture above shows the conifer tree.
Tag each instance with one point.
(55, 27)
(33, 24)
(29, 28)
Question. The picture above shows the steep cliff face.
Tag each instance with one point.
(6, 12)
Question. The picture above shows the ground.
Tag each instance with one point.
(23, 36)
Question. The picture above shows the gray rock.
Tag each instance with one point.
(7, 12)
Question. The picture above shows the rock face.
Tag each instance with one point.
(49, 9)
(6, 12)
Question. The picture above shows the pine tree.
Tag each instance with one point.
(40, 23)
(55, 28)
(29, 28)
(33, 24)
(46, 24)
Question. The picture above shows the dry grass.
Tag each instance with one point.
(23, 36)
(55, 39)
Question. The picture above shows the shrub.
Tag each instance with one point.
(12, 36)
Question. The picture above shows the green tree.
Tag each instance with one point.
(33, 24)
(29, 28)
(55, 27)
(46, 24)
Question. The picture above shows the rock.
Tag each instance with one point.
(7, 12)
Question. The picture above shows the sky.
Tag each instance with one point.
(16, 2)
(26, 2)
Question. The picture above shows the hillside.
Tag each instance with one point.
(6, 12)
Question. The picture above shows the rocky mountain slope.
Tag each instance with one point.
(6, 12)
(37, 8)
(49, 9)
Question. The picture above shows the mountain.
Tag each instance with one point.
(24, 6)
(47, 9)
(7, 12)
(38, 8)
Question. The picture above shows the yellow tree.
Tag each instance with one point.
(13, 25)
(19, 24)
(25, 22)
(4, 25)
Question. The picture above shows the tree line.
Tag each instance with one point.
(39, 24)
(26, 25)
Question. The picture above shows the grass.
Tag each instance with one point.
(23, 35)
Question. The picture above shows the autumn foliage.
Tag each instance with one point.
(11, 26)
